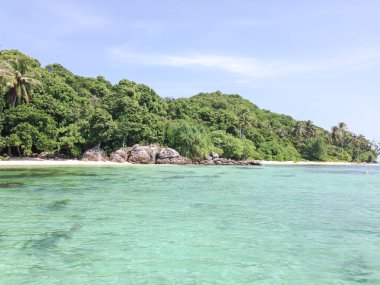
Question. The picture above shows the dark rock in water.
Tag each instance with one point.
(171, 156)
(94, 154)
(10, 184)
(58, 205)
(50, 240)
(143, 154)
(121, 155)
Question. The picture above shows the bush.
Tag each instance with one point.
(232, 147)
(315, 149)
(188, 139)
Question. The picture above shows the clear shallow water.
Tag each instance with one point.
(190, 225)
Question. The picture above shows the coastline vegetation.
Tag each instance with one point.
(50, 109)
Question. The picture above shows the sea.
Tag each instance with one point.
(151, 224)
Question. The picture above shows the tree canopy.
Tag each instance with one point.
(50, 109)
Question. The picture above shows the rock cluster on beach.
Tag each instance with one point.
(139, 154)
(94, 154)
(155, 154)
(214, 159)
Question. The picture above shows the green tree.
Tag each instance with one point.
(315, 149)
(19, 79)
(189, 139)
(101, 127)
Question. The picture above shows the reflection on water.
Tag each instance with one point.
(190, 225)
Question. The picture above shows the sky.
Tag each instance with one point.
(314, 60)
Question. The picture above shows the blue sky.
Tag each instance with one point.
(317, 60)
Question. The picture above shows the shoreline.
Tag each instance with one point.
(73, 162)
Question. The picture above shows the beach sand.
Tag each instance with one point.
(73, 162)
(50, 162)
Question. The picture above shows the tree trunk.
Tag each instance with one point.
(18, 151)
(9, 151)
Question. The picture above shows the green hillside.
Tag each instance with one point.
(49, 109)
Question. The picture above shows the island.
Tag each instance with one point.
(49, 112)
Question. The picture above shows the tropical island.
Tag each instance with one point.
(50, 110)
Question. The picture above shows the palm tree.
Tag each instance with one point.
(244, 122)
(310, 129)
(299, 130)
(339, 133)
(18, 79)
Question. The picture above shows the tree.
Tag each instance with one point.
(101, 127)
(310, 129)
(233, 147)
(315, 149)
(338, 133)
(189, 139)
(18, 79)
(299, 130)
(244, 122)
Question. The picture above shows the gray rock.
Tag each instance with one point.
(167, 152)
(214, 155)
(120, 156)
(94, 154)
(171, 156)
(143, 154)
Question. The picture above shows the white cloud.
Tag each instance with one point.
(252, 67)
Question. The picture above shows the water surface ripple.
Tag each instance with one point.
(190, 225)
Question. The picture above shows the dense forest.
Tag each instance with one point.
(49, 109)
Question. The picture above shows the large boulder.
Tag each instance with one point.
(120, 156)
(171, 156)
(167, 152)
(94, 154)
(143, 154)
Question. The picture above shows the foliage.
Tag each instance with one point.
(66, 114)
(189, 139)
(315, 149)
(232, 147)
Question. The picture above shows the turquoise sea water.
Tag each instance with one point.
(190, 225)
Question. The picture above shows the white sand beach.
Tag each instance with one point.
(74, 162)
(50, 162)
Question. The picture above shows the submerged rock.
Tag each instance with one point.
(94, 154)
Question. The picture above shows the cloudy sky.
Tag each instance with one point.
(317, 60)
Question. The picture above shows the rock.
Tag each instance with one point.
(171, 156)
(43, 155)
(254, 162)
(94, 154)
(181, 160)
(214, 155)
(167, 152)
(143, 154)
(207, 162)
(225, 161)
(120, 156)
